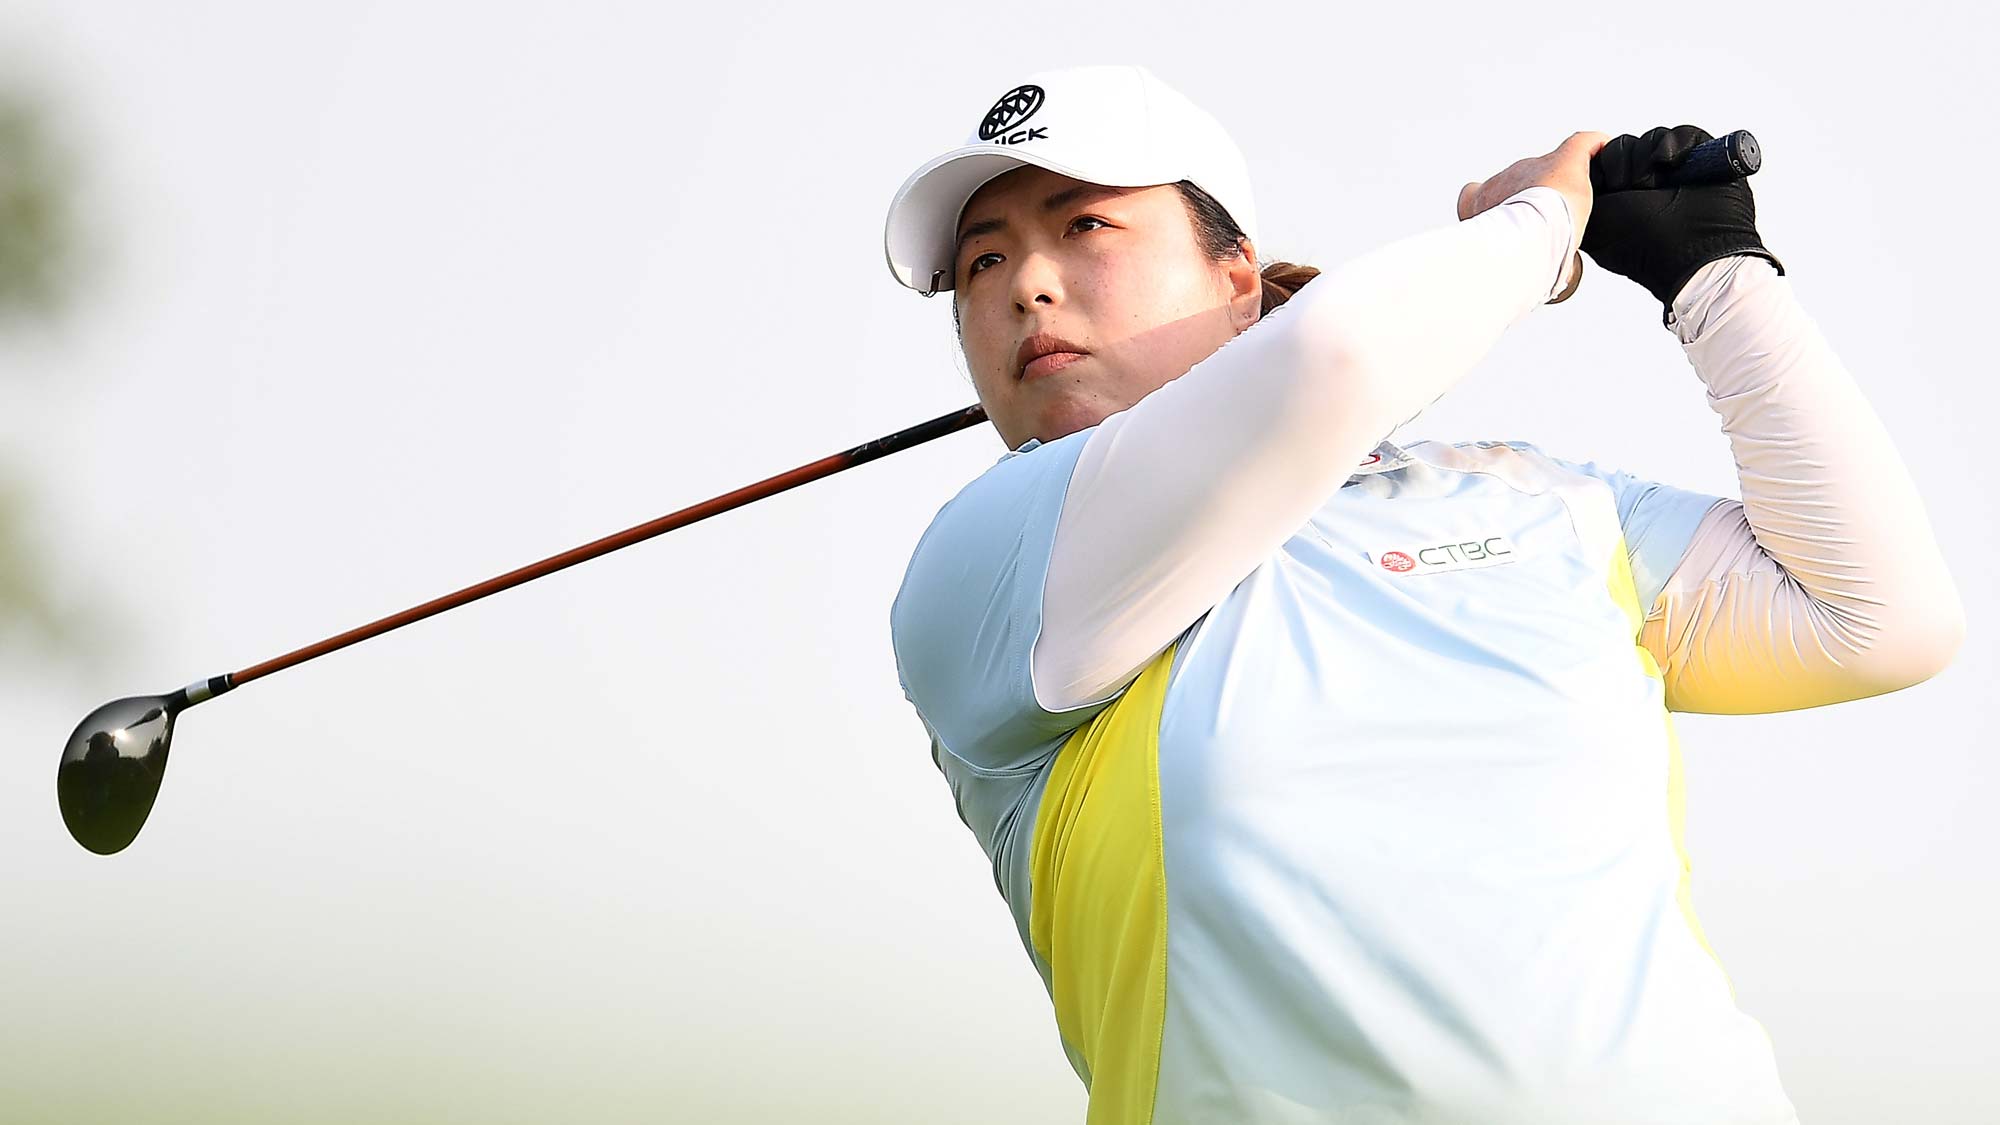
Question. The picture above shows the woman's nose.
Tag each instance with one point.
(1036, 282)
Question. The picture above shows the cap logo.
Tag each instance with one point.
(1014, 107)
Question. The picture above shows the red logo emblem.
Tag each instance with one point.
(1398, 562)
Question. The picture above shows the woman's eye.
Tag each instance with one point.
(1087, 219)
(975, 267)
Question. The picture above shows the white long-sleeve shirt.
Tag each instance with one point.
(1823, 584)
(1338, 785)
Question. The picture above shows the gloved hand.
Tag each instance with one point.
(1659, 237)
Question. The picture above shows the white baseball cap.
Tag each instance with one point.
(1113, 125)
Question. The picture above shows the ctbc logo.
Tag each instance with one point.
(1448, 553)
(1014, 107)
(1470, 554)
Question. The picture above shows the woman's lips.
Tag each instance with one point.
(1049, 364)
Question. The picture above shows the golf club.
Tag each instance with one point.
(113, 763)
(112, 766)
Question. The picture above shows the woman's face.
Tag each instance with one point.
(1115, 274)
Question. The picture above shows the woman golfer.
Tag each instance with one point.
(1331, 780)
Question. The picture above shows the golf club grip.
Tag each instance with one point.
(1719, 160)
(770, 486)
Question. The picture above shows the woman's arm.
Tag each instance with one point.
(1175, 500)
(1825, 582)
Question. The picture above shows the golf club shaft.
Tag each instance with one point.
(1714, 161)
(825, 466)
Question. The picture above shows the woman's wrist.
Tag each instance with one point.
(1554, 207)
(1694, 305)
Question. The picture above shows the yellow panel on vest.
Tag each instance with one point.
(1625, 592)
(1098, 914)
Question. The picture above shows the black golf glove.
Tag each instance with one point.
(1659, 237)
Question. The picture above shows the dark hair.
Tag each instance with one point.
(1219, 236)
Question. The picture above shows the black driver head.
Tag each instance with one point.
(111, 771)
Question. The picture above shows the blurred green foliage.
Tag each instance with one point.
(35, 231)
(28, 613)
(36, 251)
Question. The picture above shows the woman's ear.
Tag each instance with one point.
(1246, 285)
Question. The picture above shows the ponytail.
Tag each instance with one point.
(1281, 280)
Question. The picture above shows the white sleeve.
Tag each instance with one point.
(1825, 582)
(1178, 498)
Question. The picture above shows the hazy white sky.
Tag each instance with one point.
(388, 298)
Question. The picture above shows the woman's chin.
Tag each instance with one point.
(1072, 413)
